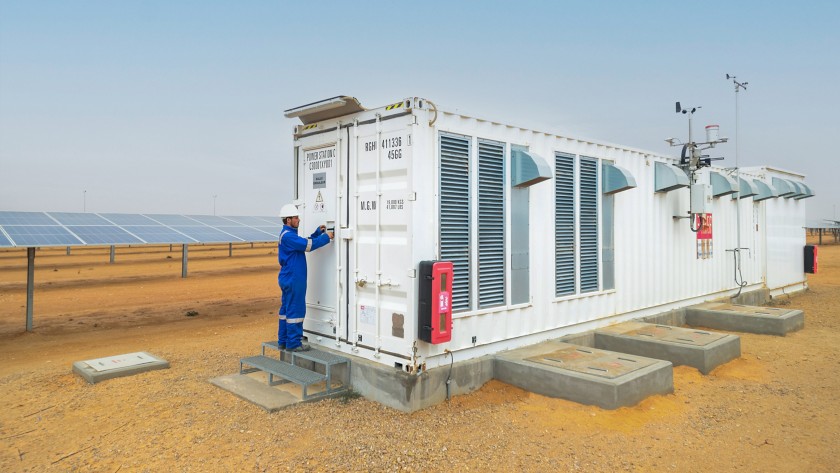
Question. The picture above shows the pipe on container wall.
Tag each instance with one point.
(347, 242)
(336, 239)
(378, 229)
(356, 249)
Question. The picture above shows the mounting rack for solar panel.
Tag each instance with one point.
(33, 230)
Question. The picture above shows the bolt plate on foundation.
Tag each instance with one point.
(667, 333)
(745, 309)
(593, 362)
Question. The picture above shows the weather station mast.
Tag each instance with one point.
(739, 279)
(692, 160)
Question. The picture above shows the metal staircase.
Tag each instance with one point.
(291, 371)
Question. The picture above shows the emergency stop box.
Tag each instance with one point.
(435, 301)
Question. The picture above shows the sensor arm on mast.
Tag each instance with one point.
(691, 158)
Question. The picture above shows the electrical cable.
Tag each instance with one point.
(691, 221)
(701, 221)
(736, 254)
(449, 377)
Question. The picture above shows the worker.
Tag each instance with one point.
(291, 250)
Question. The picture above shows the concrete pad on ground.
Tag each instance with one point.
(745, 318)
(117, 366)
(252, 390)
(681, 346)
(585, 375)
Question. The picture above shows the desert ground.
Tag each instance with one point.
(776, 409)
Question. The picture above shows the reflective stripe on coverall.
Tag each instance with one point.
(291, 250)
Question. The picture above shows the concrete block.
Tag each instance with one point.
(585, 339)
(755, 297)
(674, 318)
(681, 346)
(585, 375)
(743, 318)
(244, 387)
(101, 369)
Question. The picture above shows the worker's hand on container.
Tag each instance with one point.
(331, 234)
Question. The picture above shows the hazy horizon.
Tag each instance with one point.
(157, 107)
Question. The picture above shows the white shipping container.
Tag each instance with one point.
(549, 234)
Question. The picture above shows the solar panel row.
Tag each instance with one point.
(73, 229)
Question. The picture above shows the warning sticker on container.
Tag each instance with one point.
(704, 235)
(367, 314)
(319, 203)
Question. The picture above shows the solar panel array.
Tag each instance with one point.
(31, 229)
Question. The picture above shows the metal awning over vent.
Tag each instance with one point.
(528, 168)
(763, 191)
(722, 185)
(783, 187)
(798, 190)
(325, 109)
(745, 189)
(668, 178)
(616, 179)
(807, 192)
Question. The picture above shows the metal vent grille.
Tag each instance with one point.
(564, 224)
(588, 224)
(455, 214)
(491, 224)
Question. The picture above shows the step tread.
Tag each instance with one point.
(321, 357)
(313, 354)
(285, 370)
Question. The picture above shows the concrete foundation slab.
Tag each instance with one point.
(681, 346)
(744, 318)
(585, 375)
(101, 369)
(409, 392)
(252, 390)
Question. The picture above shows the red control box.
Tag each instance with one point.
(435, 301)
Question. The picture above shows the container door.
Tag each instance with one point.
(380, 260)
(319, 173)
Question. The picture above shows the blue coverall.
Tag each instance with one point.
(291, 250)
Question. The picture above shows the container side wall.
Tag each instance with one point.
(385, 190)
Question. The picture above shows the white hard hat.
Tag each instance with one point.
(289, 210)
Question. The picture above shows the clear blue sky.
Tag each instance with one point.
(157, 106)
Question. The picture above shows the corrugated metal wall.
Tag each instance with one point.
(785, 235)
(447, 195)
(656, 265)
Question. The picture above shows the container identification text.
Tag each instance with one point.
(319, 159)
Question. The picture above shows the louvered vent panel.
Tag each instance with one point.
(491, 224)
(564, 224)
(588, 224)
(455, 214)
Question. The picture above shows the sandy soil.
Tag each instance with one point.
(777, 408)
